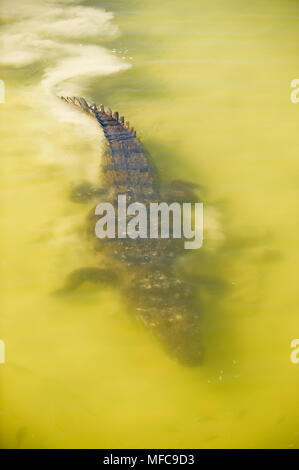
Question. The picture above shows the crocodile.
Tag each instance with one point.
(144, 269)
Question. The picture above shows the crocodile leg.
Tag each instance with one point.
(90, 274)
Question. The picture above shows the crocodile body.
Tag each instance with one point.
(144, 268)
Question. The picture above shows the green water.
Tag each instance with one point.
(207, 86)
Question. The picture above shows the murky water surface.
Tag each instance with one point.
(207, 86)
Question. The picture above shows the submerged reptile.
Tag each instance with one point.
(143, 268)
